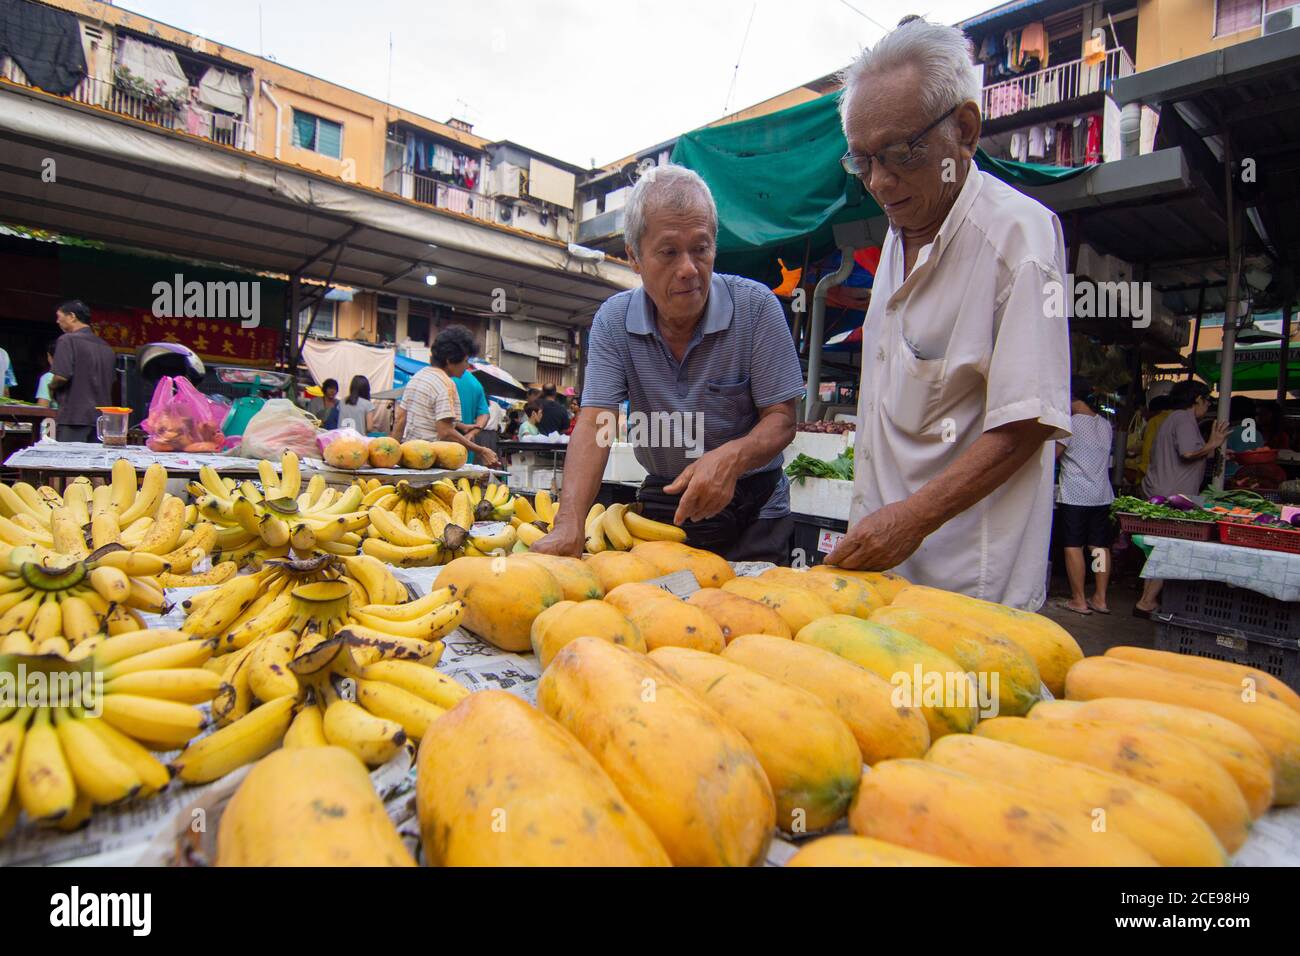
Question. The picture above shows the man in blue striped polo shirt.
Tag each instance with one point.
(709, 369)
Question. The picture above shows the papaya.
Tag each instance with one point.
(923, 806)
(418, 454)
(861, 699)
(797, 606)
(449, 454)
(710, 570)
(384, 452)
(1049, 644)
(578, 581)
(886, 583)
(688, 773)
(1162, 760)
(348, 453)
(842, 593)
(664, 619)
(613, 568)
(1161, 824)
(1275, 726)
(1231, 745)
(313, 806)
(737, 615)
(918, 674)
(809, 755)
(502, 597)
(840, 849)
(976, 651)
(498, 783)
(1225, 672)
(569, 620)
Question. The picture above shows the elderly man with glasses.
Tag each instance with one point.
(965, 365)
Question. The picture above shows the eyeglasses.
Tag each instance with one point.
(891, 157)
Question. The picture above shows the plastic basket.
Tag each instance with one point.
(1281, 662)
(1166, 527)
(1259, 536)
(1213, 605)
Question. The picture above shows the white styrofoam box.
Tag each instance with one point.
(825, 447)
(519, 474)
(622, 464)
(824, 497)
(588, 209)
(616, 199)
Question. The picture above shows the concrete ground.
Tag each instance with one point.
(1097, 632)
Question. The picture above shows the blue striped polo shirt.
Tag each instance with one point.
(741, 359)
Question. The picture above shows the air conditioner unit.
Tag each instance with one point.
(505, 180)
(1282, 20)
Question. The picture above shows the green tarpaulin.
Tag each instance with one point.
(1254, 367)
(779, 186)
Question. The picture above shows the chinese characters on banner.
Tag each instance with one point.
(215, 340)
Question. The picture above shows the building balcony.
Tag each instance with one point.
(434, 192)
(602, 226)
(185, 118)
(1056, 91)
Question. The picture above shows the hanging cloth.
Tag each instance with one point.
(222, 90)
(45, 43)
(1033, 44)
(441, 160)
(471, 173)
(1093, 154)
(156, 65)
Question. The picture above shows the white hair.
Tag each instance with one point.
(674, 188)
(942, 54)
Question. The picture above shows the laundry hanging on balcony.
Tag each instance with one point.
(222, 90)
(45, 43)
(156, 66)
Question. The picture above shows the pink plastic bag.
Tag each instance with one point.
(181, 418)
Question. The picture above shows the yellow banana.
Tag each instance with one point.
(276, 616)
(67, 534)
(413, 713)
(45, 784)
(524, 510)
(37, 506)
(418, 679)
(152, 772)
(96, 769)
(425, 555)
(104, 529)
(375, 577)
(392, 530)
(544, 506)
(595, 536)
(611, 522)
(123, 485)
(165, 532)
(270, 480)
(410, 610)
(650, 530)
(15, 534)
(245, 515)
(133, 564)
(375, 495)
(303, 539)
(428, 627)
(77, 501)
(269, 676)
(145, 597)
(186, 685)
(290, 475)
(47, 622)
(503, 540)
(219, 573)
(315, 488)
(390, 646)
(307, 729)
(13, 504)
(79, 620)
(199, 545)
(121, 619)
(233, 596)
(529, 534)
(152, 488)
(164, 723)
(180, 654)
(235, 698)
(19, 617)
(12, 732)
(250, 738)
(125, 646)
(373, 739)
(273, 530)
(462, 510)
(210, 480)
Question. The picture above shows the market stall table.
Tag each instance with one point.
(22, 425)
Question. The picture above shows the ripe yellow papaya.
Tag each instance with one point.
(1162, 825)
(688, 773)
(861, 698)
(797, 606)
(710, 570)
(554, 628)
(842, 593)
(576, 579)
(1162, 760)
(1231, 745)
(809, 755)
(976, 651)
(926, 807)
(1049, 644)
(501, 784)
(1275, 726)
(886, 583)
(419, 454)
(1225, 672)
(840, 849)
(918, 674)
(664, 619)
(613, 568)
(449, 454)
(313, 806)
(736, 615)
(502, 597)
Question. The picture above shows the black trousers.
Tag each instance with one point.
(82, 433)
(736, 532)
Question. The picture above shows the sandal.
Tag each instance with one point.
(1098, 610)
(1139, 612)
(1065, 606)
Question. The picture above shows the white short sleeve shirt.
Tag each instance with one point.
(967, 343)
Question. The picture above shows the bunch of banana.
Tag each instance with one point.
(59, 605)
(621, 527)
(86, 740)
(315, 665)
(436, 525)
(275, 521)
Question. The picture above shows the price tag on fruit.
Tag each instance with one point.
(827, 540)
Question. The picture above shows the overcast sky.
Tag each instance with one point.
(576, 79)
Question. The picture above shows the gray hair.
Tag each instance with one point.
(674, 188)
(942, 54)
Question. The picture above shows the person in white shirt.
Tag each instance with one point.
(1083, 500)
(965, 359)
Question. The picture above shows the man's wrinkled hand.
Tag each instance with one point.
(707, 485)
(882, 540)
(561, 542)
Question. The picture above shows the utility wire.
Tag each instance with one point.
(864, 16)
(735, 72)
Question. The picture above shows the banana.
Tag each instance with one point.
(269, 676)
(245, 515)
(17, 642)
(123, 485)
(153, 774)
(144, 596)
(13, 504)
(79, 621)
(303, 539)
(76, 500)
(290, 474)
(273, 530)
(232, 597)
(307, 729)
(371, 497)
(369, 645)
(440, 621)
(544, 506)
(47, 622)
(275, 617)
(524, 510)
(611, 522)
(12, 732)
(66, 533)
(165, 723)
(84, 649)
(165, 532)
(345, 503)
(418, 679)
(45, 784)
(649, 530)
(391, 529)
(132, 537)
(270, 480)
(186, 685)
(195, 549)
(17, 535)
(315, 488)
(120, 619)
(413, 713)
(424, 555)
(210, 480)
(19, 617)
(373, 739)
(375, 577)
(95, 768)
(219, 573)
(501, 541)
(529, 534)
(189, 653)
(152, 488)
(410, 610)
(133, 564)
(235, 699)
(595, 536)
(250, 738)
(104, 529)
(36, 505)
(126, 646)
(462, 510)
(12, 598)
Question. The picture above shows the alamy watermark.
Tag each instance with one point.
(655, 430)
(922, 688)
(179, 299)
(38, 688)
(1083, 298)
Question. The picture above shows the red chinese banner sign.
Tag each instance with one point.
(215, 340)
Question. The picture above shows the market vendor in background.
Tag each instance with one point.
(711, 351)
(430, 405)
(965, 378)
(326, 407)
(474, 412)
(83, 373)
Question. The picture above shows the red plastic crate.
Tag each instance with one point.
(1259, 536)
(1166, 527)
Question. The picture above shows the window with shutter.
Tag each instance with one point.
(1233, 16)
(318, 135)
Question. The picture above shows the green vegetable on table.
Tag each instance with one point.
(805, 466)
(1240, 498)
(1144, 509)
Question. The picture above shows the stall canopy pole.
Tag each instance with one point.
(1196, 332)
(295, 351)
(817, 329)
(1284, 347)
(1230, 305)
